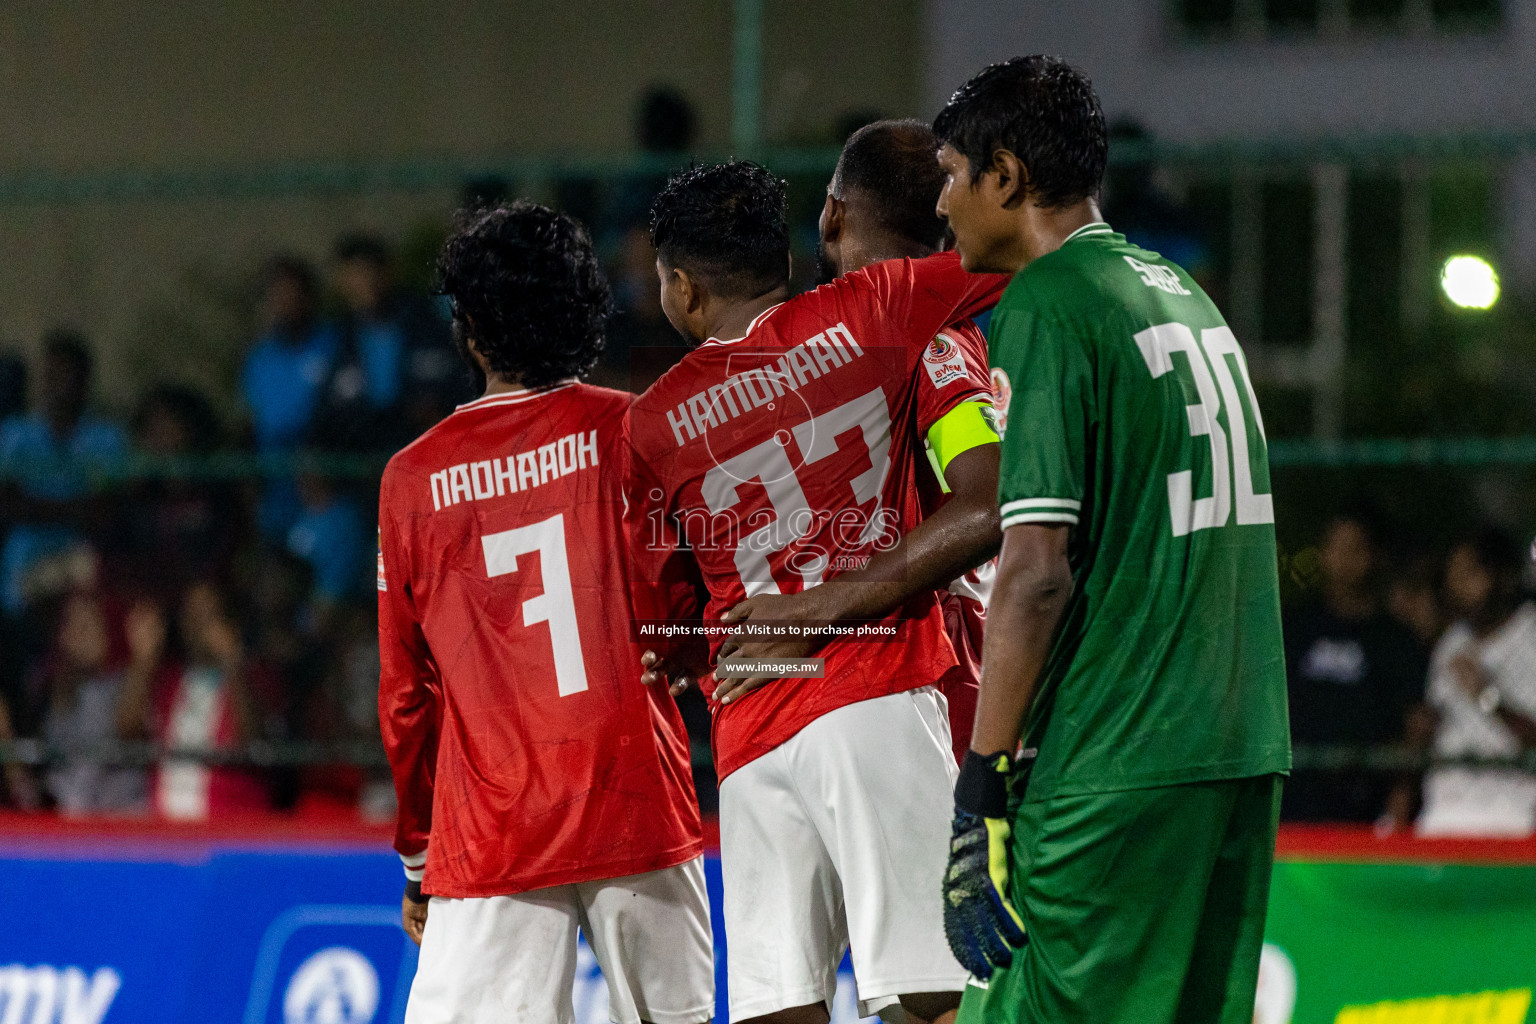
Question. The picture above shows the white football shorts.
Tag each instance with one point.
(840, 838)
(512, 959)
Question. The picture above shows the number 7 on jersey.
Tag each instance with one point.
(557, 605)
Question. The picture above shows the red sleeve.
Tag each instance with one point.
(409, 714)
(931, 293)
(663, 579)
(951, 369)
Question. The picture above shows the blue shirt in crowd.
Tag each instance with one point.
(381, 345)
(282, 385)
(334, 541)
(282, 382)
(50, 467)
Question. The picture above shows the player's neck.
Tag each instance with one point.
(1045, 230)
(501, 384)
(878, 250)
(732, 320)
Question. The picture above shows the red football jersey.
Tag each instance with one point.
(512, 710)
(788, 456)
(964, 602)
(965, 619)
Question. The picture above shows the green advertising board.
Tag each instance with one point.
(1399, 943)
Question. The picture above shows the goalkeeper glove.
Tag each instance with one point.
(982, 926)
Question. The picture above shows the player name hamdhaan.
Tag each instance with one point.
(492, 478)
(750, 389)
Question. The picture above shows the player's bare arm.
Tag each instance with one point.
(1034, 582)
(958, 537)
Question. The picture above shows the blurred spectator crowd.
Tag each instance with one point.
(154, 608)
(1432, 656)
(151, 604)
(144, 599)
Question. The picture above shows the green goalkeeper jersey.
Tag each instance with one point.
(1129, 415)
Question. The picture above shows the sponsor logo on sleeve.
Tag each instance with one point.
(943, 361)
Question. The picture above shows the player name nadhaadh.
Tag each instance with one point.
(492, 478)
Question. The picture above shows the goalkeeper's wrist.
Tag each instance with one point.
(982, 788)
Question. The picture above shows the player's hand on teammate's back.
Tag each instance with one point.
(806, 607)
(413, 911)
(677, 670)
(980, 922)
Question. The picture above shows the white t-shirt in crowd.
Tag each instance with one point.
(1482, 801)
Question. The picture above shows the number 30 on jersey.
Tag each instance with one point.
(1212, 360)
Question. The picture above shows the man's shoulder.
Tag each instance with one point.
(1072, 279)
(1102, 285)
(421, 455)
(665, 390)
(601, 401)
(699, 368)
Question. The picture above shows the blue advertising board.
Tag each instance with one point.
(167, 933)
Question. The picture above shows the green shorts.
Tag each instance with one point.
(1142, 906)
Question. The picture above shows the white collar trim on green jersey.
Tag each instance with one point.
(1098, 227)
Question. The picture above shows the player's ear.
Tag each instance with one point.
(1011, 176)
(831, 224)
(467, 331)
(689, 295)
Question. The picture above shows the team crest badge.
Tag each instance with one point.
(1002, 394)
(943, 361)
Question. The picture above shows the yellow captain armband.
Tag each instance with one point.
(966, 426)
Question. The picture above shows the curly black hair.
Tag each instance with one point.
(895, 166)
(727, 225)
(1045, 112)
(526, 286)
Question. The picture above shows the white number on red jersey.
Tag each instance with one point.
(769, 464)
(557, 605)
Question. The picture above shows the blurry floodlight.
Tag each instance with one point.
(1470, 282)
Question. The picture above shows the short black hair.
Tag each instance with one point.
(726, 224)
(69, 347)
(359, 246)
(1045, 112)
(894, 164)
(525, 284)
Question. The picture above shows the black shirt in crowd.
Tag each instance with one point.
(1351, 682)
